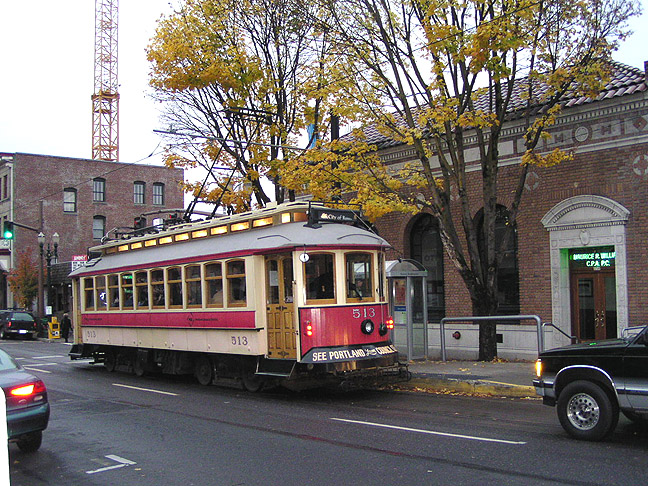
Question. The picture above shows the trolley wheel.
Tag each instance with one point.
(110, 360)
(139, 367)
(251, 382)
(204, 370)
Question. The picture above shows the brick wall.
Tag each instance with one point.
(610, 161)
(43, 178)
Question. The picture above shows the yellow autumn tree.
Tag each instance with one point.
(430, 74)
(240, 81)
(23, 280)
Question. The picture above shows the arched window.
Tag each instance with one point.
(508, 278)
(426, 247)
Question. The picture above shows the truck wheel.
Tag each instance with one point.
(30, 442)
(586, 412)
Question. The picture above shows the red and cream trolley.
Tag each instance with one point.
(293, 294)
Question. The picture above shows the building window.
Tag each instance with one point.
(98, 227)
(158, 193)
(5, 187)
(139, 189)
(99, 189)
(69, 200)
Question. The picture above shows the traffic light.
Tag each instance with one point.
(8, 230)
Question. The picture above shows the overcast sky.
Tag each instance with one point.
(46, 77)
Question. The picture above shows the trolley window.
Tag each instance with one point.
(381, 277)
(113, 291)
(89, 293)
(214, 284)
(101, 297)
(236, 293)
(320, 277)
(157, 288)
(359, 276)
(174, 281)
(194, 286)
(142, 290)
(127, 290)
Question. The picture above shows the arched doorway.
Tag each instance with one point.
(426, 248)
(588, 267)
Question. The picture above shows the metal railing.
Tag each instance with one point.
(491, 318)
(574, 339)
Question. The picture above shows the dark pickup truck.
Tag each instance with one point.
(17, 323)
(590, 383)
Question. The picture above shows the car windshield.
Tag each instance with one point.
(22, 316)
(7, 362)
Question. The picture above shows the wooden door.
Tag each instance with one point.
(594, 314)
(282, 341)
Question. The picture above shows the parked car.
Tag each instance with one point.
(17, 323)
(27, 407)
(590, 383)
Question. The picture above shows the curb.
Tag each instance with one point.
(469, 387)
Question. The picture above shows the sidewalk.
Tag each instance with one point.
(504, 379)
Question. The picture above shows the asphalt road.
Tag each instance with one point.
(116, 429)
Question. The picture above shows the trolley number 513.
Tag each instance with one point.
(364, 313)
(239, 340)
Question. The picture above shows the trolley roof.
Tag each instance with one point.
(246, 234)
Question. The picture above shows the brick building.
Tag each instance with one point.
(581, 253)
(79, 199)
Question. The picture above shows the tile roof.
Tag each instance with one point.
(624, 80)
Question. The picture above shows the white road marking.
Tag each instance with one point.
(431, 432)
(146, 389)
(45, 364)
(36, 369)
(49, 357)
(122, 463)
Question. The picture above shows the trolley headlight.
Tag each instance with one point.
(538, 367)
(367, 326)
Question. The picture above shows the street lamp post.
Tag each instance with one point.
(47, 255)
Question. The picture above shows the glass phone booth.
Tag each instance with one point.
(408, 307)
